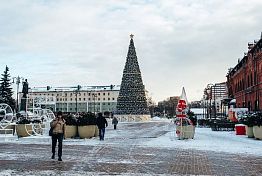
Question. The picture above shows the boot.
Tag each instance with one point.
(59, 158)
(53, 156)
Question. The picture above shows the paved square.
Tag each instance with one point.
(124, 155)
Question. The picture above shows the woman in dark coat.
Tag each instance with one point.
(114, 122)
(101, 123)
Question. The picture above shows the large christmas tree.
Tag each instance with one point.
(6, 90)
(132, 99)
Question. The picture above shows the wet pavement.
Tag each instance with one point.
(124, 155)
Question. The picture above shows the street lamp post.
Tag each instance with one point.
(215, 104)
(94, 95)
(209, 89)
(18, 81)
(76, 92)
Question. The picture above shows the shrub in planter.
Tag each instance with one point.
(257, 118)
(86, 119)
(257, 128)
(248, 120)
(70, 120)
(187, 131)
(71, 126)
(86, 125)
(23, 121)
(192, 117)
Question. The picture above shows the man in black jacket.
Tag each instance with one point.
(101, 123)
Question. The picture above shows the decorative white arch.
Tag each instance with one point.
(6, 115)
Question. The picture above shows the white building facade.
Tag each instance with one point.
(74, 99)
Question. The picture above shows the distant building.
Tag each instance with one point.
(74, 99)
(219, 91)
(214, 96)
(245, 79)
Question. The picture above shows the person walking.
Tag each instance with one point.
(58, 126)
(101, 123)
(114, 122)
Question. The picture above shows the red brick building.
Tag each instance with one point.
(244, 81)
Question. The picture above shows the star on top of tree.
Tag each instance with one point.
(131, 36)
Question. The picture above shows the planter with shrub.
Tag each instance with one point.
(248, 120)
(24, 128)
(257, 128)
(86, 125)
(71, 126)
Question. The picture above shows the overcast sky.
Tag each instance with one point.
(179, 43)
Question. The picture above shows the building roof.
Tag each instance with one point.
(73, 88)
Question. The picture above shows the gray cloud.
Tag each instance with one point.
(179, 43)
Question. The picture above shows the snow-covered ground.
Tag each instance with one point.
(206, 139)
(137, 148)
(161, 137)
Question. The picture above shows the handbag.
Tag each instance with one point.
(51, 131)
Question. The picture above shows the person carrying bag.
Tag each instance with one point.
(57, 133)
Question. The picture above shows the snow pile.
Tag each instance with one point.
(156, 118)
(162, 119)
(207, 140)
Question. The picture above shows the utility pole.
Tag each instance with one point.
(76, 92)
(94, 95)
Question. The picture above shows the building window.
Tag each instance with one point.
(79, 99)
(104, 99)
(98, 93)
(71, 99)
(71, 94)
(251, 82)
(84, 94)
(89, 94)
(109, 99)
(104, 93)
(84, 99)
(98, 99)
(52, 94)
(57, 94)
(113, 98)
(108, 103)
(89, 99)
(65, 99)
(108, 93)
(57, 99)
